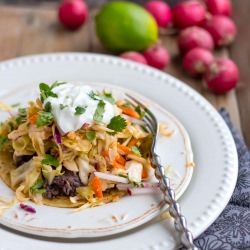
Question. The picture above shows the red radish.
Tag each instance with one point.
(197, 60)
(134, 56)
(188, 14)
(161, 12)
(157, 56)
(73, 13)
(222, 29)
(219, 7)
(222, 75)
(193, 37)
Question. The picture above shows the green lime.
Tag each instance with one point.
(124, 26)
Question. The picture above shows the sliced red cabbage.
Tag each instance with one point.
(27, 208)
(57, 136)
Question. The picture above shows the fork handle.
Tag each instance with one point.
(174, 207)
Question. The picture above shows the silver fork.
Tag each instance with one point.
(180, 223)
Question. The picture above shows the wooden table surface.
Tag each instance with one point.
(35, 29)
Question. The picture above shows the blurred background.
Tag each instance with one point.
(32, 27)
(89, 2)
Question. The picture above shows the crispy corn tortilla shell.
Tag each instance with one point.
(65, 202)
(7, 165)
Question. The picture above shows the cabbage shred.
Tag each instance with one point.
(116, 149)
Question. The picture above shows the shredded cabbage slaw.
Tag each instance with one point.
(100, 155)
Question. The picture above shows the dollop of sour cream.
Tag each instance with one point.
(69, 97)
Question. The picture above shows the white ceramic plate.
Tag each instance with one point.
(215, 154)
(129, 212)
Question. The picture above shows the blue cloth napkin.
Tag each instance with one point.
(231, 230)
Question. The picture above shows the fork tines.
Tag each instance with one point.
(149, 117)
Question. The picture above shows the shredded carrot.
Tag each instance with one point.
(120, 159)
(144, 174)
(125, 149)
(130, 112)
(105, 153)
(118, 165)
(33, 118)
(97, 186)
(132, 142)
(71, 135)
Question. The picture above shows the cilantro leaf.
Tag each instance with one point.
(12, 127)
(104, 96)
(140, 112)
(45, 91)
(21, 116)
(19, 120)
(44, 118)
(14, 105)
(48, 107)
(127, 105)
(50, 160)
(90, 136)
(136, 184)
(44, 87)
(3, 140)
(98, 115)
(36, 186)
(22, 112)
(117, 123)
(56, 84)
(93, 95)
(108, 97)
(40, 191)
(80, 110)
(135, 150)
(62, 106)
